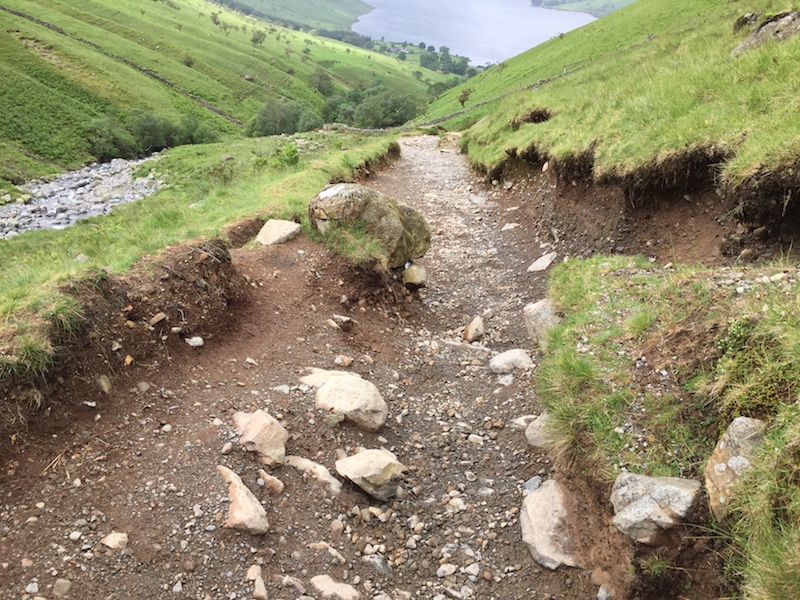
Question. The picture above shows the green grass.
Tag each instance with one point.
(320, 14)
(205, 192)
(646, 85)
(649, 366)
(55, 84)
(598, 8)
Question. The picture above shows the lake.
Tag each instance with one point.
(485, 31)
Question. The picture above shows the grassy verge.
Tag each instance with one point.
(638, 90)
(209, 186)
(650, 365)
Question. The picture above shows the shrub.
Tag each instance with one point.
(108, 138)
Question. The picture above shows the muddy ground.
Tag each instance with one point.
(133, 428)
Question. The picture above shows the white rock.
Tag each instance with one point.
(115, 540)
(329, 588)
(259, 589)
(355, 398)
(62, 587)
(536, 432)
(446, 570)
(646, 507)
(540, 317)
(318, 471)
(195, 341)
(253, 572)
(475, 330)
(541, 263)
(510, 360)
(261, 433)
(415, 276)
(374, 471)
(277, 231)
(245, 511)
(543, 521)
(273, 484)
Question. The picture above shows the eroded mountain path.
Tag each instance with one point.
(142, 460)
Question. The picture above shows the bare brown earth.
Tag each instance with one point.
(141, 458)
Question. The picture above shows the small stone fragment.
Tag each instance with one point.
(245, 511)
(334, 590)
(261, 433)
(475, 330)
(377, 472)
(115, 540)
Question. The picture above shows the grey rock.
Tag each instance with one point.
(730, 461)
(543, 262)
(536, 432)
(402, 231)
(646, 507)
(62, 587)
(377, 472)
(508, 361)
(277, 231)
(543, 521)
(540, 317)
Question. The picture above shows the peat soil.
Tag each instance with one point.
(129, 439)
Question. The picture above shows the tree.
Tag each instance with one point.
(429, 60)
(258, 38)
(282, 116)
(215, 18)
(421, 46)
(444, 50)
(464, 96)
(385, 109)
(321, 81)
(402, 56)
(431, 48)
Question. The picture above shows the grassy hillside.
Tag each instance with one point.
(319, 14)
(65, 64)
(643, 96)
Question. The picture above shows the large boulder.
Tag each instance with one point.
(543, 520)
(730, 461)
(403, 231)
(647, 507)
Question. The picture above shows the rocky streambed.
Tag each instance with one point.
(88, 192)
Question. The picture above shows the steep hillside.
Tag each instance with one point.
(73, 70)
(598, 8)
(649, 97)
(321, 14)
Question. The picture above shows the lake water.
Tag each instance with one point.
(484, 30)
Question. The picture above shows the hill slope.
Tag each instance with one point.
(192, 63)
(649, 96)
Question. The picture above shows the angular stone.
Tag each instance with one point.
(317, 471)
(355, 398)
(543, 262)
(543, 521)
(540, 317)
(276, 231)
(730, 461)
(507, 361)
(334, 590)
(259, 589)
(647, 507)
(475, 330)
(245, 511)
(402, 231)
(62, 587)
(377, 472)
(115, 540)
(261, 433)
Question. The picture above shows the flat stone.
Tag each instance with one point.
(536, 432)
(543, 262)
(475, 330)
(316, 470)
(115, 540)
(62, 587)
(277, 231)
